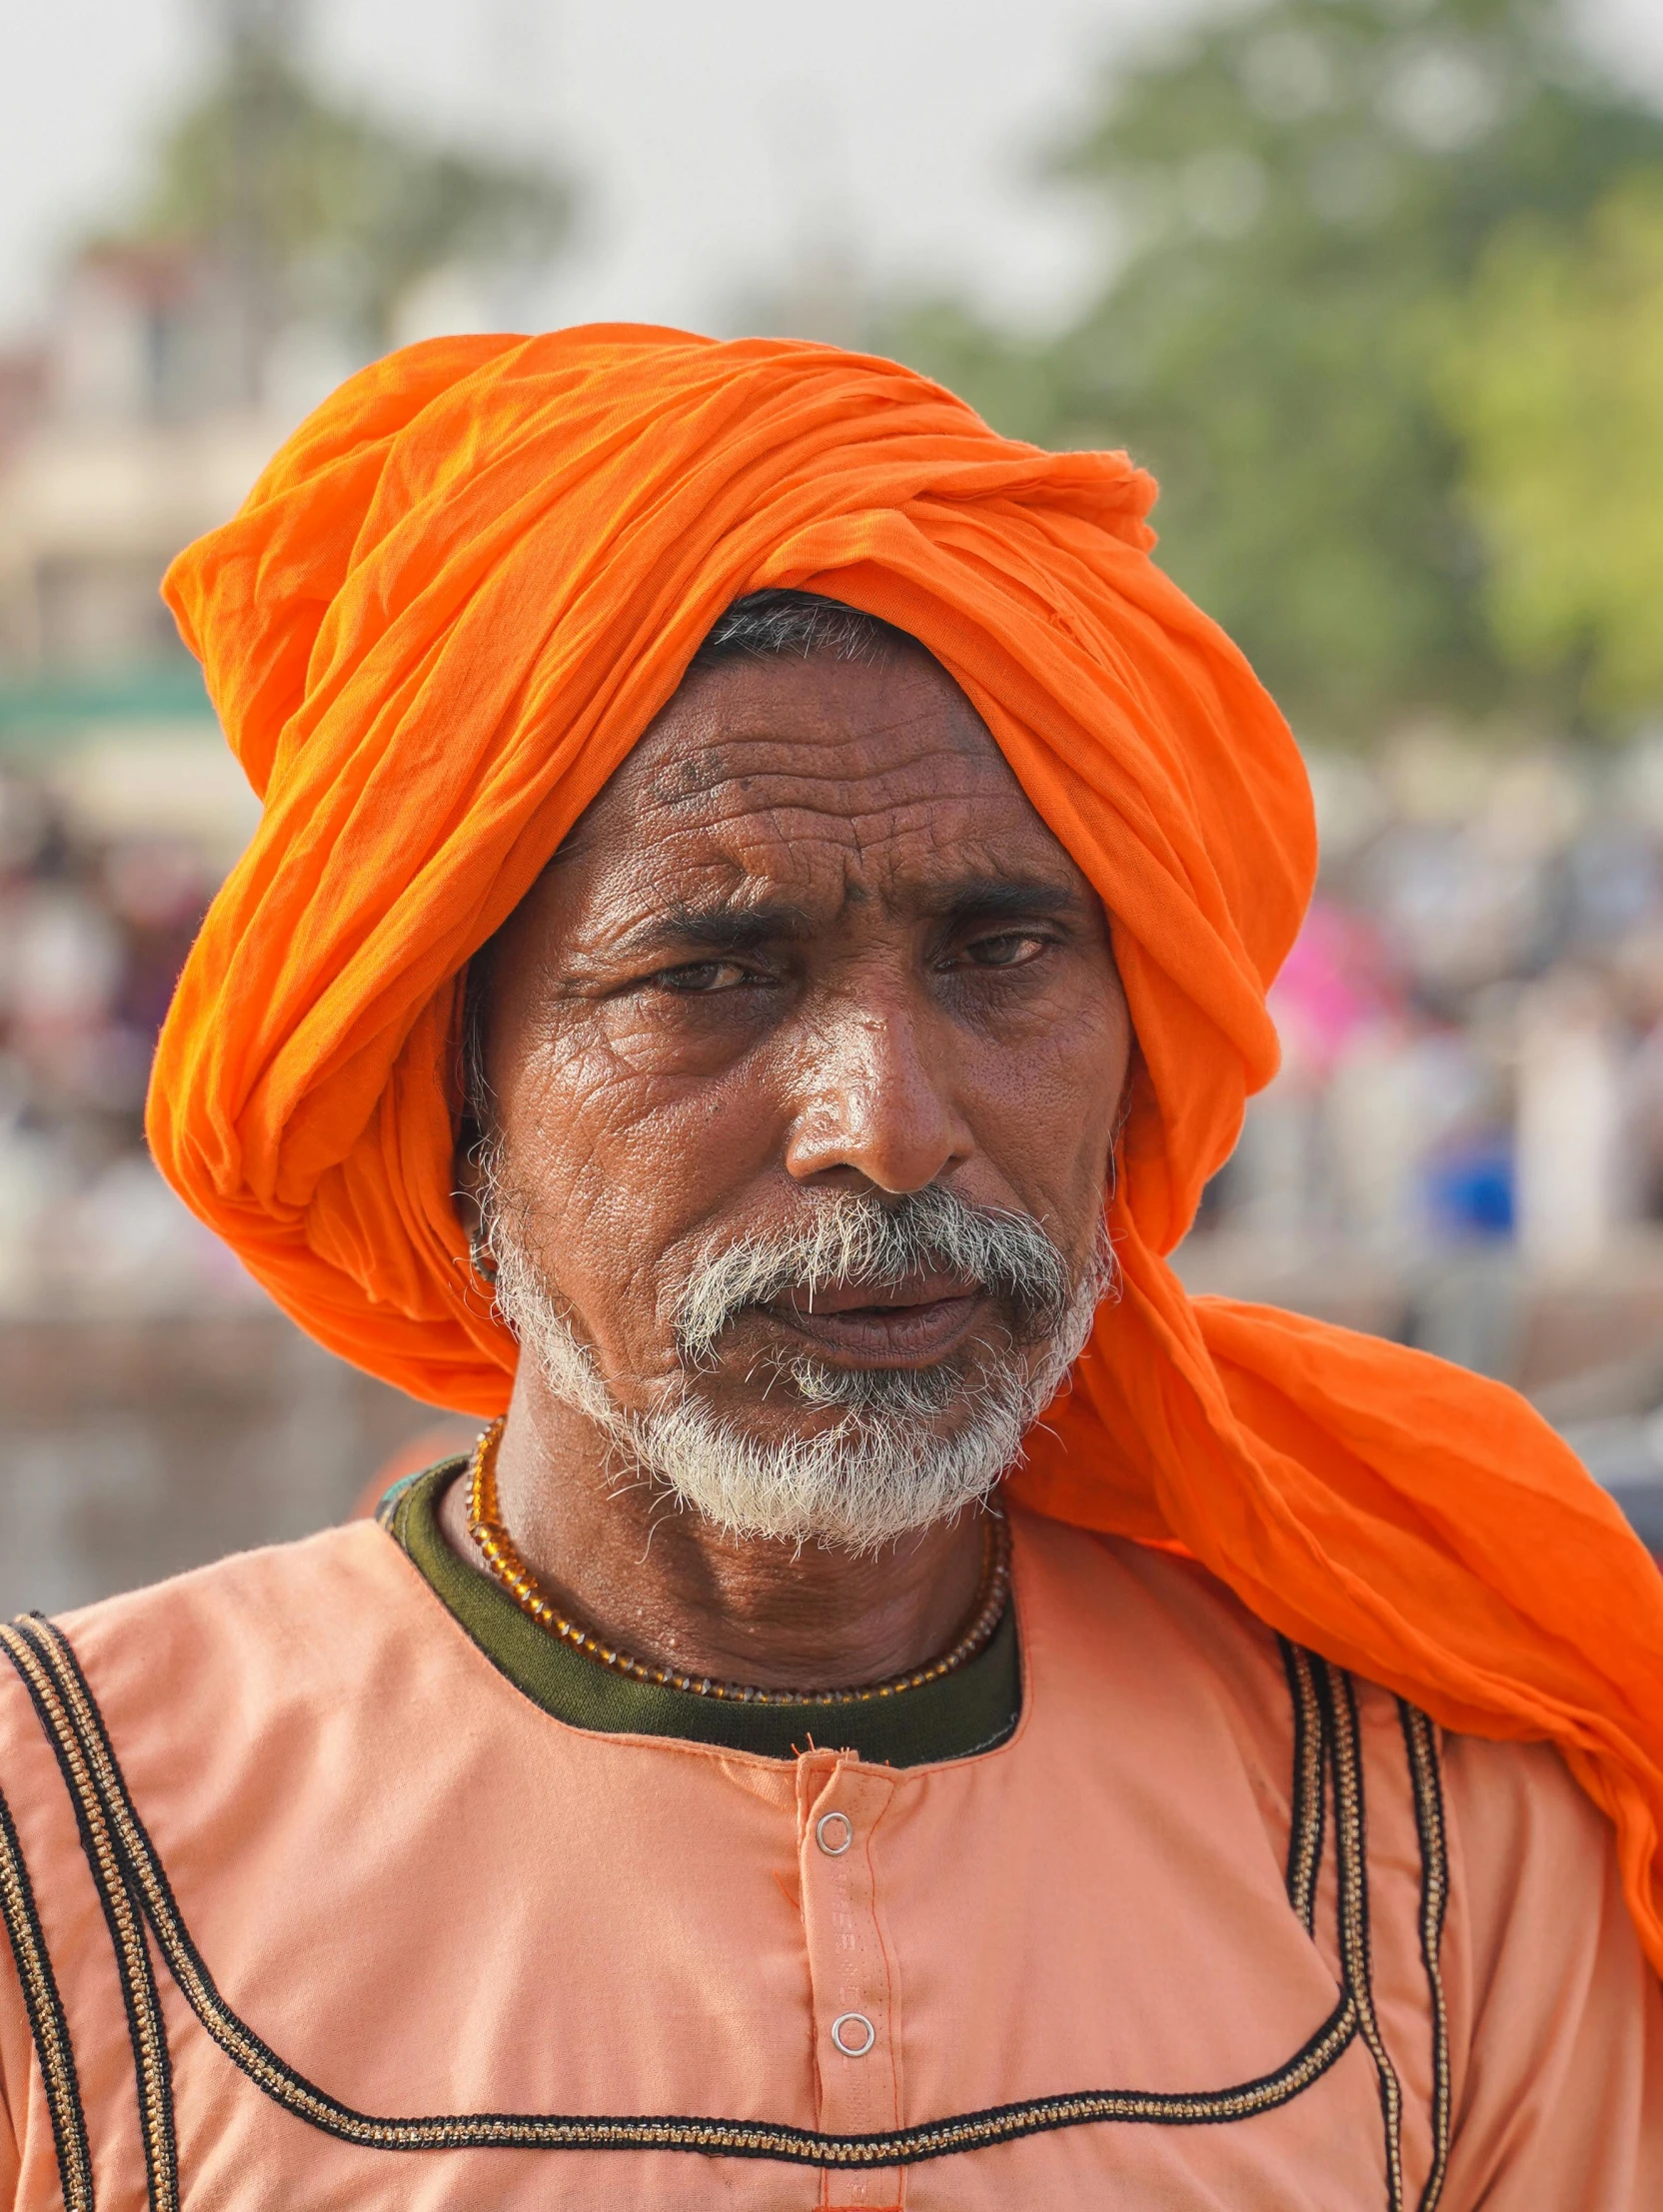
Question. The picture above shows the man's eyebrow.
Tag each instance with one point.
(1007, 897)
(724, 928)
(718, 929)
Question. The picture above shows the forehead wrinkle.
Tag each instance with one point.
(802, 827)
(813, 806)
(745, 826)
(645, 899)
(808, 764)
(656, 891)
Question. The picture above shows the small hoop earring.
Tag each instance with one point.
(480, 1260)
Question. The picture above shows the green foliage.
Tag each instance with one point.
(1299, 193)
(334, 213)
(1553, 375)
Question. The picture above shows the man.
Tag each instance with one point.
(757, 937)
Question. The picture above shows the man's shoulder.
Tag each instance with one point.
(1138, 1661)
(1520, 1824)
(267, 1627)
(270, 1587)
(1118, 1607)
(1116, 1592)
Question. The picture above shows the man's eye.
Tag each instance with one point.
(700, 977)
(1010, 949)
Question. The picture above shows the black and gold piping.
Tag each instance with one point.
(1420, 1742)
(1307, 1798)
(1356, 1965)
(48, 2028)
(33, 1647)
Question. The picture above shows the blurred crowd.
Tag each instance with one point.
(1472, 1019)
(93, 930)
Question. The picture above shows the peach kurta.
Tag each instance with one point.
(385, 1887)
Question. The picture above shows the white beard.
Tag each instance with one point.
(885, 1467)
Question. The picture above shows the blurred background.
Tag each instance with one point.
(1375, 287)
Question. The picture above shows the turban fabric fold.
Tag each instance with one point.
(443, 617)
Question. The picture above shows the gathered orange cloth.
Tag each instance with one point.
(443, 617)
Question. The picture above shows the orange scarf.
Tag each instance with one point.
(443, 617)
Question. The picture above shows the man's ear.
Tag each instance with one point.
(469, 1180)
(468, 1177)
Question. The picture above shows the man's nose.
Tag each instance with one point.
(878, 1099)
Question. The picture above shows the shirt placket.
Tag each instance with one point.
(856, 2060)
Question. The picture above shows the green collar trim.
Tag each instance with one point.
(953, 1718)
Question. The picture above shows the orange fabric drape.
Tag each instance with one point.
(444, 614)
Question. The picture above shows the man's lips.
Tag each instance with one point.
(910, 1323)
(924, 1288)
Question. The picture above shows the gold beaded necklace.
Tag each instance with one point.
(502, 1556)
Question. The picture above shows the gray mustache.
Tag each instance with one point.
(854, 1239)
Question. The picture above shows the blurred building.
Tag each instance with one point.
(123, 435)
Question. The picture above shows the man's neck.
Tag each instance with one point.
(671, 1589)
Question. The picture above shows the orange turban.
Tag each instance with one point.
(446, 612)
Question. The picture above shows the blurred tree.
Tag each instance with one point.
(1553, 376)
(1297, 190)
(322, 212)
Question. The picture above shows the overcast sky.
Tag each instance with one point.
(719, 139)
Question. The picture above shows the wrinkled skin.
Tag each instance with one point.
(810, 934)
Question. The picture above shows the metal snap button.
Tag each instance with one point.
(833, 1832)
(854, 2034)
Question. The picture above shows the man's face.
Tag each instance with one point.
(806, 1056)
